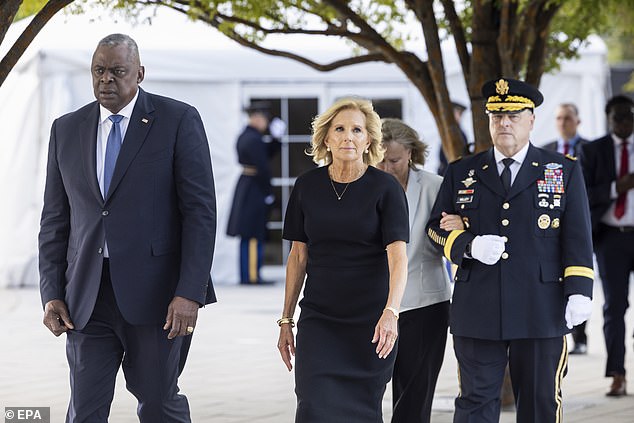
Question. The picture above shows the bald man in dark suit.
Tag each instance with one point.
(126, 240)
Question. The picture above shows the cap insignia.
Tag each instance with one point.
(502, 87)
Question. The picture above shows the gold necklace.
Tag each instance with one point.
(332, 184)
(339, 196)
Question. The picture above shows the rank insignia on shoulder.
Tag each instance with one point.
(571, 157)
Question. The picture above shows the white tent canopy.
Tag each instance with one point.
(189, 61)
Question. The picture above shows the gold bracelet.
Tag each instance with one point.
(393, 310)
(286, 321)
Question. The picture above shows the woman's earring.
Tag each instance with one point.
(327, 148)
(367, 150)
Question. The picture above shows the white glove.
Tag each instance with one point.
(578, 310)
(487, 248)
(277, 127)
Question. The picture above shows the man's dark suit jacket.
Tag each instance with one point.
(159, 217)
(599, 170)
(552, 146)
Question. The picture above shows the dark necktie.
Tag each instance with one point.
(566, 148)
(112, 151)
(619, 210)
(506, 173)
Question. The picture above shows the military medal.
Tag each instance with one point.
(553, 181)
(543, 221)
(469, 181)
(555, 223)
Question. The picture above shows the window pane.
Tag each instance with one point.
(389, 108)
(301, 112)
(299, 162)
(273, 248)
(275, 213)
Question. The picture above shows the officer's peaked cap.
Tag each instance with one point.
(510, 95)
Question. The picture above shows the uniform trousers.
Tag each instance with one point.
(422, 336)
(151, 365)
(251, 256)
(537, 367)
(615, 259)
(579, 334)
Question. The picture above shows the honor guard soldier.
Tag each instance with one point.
(524, 262)
(253, 194)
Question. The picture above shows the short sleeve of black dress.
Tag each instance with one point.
(294, 218)
(394, 212)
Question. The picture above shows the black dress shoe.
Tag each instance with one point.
(579, 349)
(617, 389)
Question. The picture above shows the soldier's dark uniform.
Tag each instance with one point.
(514, 310)
(249, 211)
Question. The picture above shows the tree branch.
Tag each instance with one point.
(35, 26)
(7, 13)
(458, 36)
(289, 55)
(536, 59)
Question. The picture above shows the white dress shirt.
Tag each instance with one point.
(103, 129)
(628, 218)
(517, 163)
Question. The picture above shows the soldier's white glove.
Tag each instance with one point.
(487, 248)
(578, 310)
(277, 127)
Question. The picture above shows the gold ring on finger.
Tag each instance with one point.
(190, 329)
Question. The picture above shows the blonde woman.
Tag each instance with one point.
(348, 224)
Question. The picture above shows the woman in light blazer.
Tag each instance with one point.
(424, 311)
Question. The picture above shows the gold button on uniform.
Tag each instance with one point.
(505, 255)
(505, 206)
(505, 222)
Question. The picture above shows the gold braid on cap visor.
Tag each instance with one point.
(511, 103)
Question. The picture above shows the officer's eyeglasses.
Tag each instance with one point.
(514, 117)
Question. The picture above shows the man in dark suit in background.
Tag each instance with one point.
(608, 165)
(524, 275)
(126, 240)
(253, 195)
(569, 142)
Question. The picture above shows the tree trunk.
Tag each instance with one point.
(485, 65)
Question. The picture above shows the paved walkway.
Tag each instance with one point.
(234, 373)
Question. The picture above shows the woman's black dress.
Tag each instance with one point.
(339, 377)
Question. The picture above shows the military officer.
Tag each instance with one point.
(524, 262)
(253, 194)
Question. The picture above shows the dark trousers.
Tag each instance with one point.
(251, 255)
(421, 348)
(579, 334)
(151, 364)
(537, 367)
(615, 258)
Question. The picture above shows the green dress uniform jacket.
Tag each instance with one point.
(548, 252)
